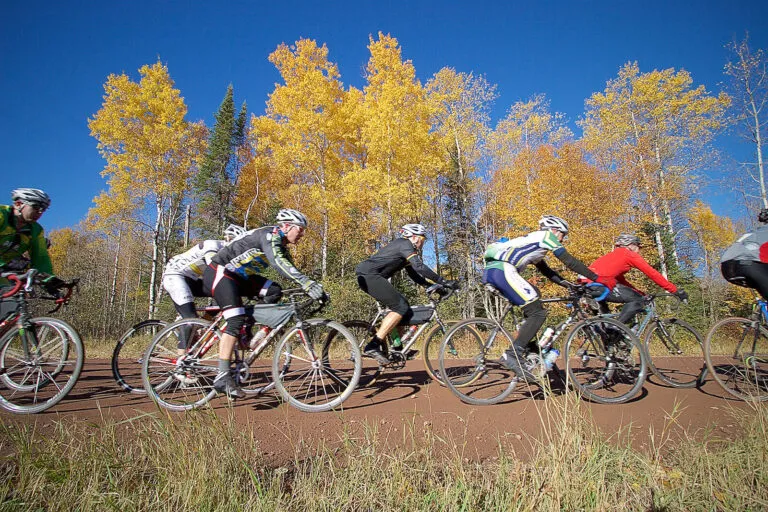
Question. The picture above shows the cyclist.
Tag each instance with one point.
(183, 274)
(745, 262)
(374, 272)
(234, 271)
(505, 259)
(21, 233)
(624, 257)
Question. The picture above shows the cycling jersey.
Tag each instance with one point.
(192, 262)
(397, 255)
(621, 260)
(749, 247)
(521, 251)
(15, 242)
(255, 251)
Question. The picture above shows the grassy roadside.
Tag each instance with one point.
(211, 463)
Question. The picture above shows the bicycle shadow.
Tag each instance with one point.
(390, 387)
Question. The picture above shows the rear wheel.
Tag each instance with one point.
(181, 383)
(604, 361)
(469, 362)
(736, 351)
(128, 354)
(675, 352)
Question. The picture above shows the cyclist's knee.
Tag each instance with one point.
(186, 310)
(235, 320)
(534, 309)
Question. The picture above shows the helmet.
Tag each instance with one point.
(763, 216)
(410, 230)
(32, 196)
(552, 222)
(291, 217)
(233, 231)
(625, 239)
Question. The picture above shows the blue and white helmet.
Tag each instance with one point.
(233, 231)
(289, 216)
(552, 222)
(410, 230)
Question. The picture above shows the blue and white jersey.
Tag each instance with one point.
(521, 251)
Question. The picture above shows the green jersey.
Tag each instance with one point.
(28, 239)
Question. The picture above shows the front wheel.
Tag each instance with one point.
(39, 366)
(674, 351)
(179, 382)
(317, 365)
(604, 361)
(469, 359)
(736, 351)
(128, 354)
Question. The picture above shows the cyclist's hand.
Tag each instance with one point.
(681, 294)
(452, 284)
(313, 289)
(51, 284)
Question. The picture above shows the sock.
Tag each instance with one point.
(224, 365)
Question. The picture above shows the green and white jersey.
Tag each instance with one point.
(521, 251)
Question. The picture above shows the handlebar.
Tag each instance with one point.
(434, 295)
(17, 280)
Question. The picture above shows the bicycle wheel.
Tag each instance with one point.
(181, 383)
(431, 349)
(736, 351)
(317, 366)
(469, 362)
(128, 353)
(254, 371)
(674, 351)
(39, 366)
(362, 331)
(604, 361)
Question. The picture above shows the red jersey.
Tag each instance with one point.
(621, 260)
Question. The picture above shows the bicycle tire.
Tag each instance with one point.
(675, 367)
(57, 341)
(255, 375)
(473, 372)
(126, 370)
(311, 383)
(742, 373)
(371, 370)
(619, 365)
(174, 385)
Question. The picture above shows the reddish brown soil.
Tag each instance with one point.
(406, 402)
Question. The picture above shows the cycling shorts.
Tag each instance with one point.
(382, 290)
(227, 288)
(182, 289)
(511, 284)
(747, 273)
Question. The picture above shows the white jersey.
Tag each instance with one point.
(192, 262)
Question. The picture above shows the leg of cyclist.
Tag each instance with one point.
(520, 293)
(752, 274)
(180, 289)
(380, 289)
(632, 300)
(225, 289)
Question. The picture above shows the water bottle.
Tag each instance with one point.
(546, 337)
(396, 341)
(550, 357)
(410, 332)
(260, 335)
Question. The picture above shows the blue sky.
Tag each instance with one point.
(55, 57)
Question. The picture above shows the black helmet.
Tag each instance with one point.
(763, 216)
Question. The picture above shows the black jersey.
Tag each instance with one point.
(395, 256)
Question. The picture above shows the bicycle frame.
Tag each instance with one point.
(411, 341)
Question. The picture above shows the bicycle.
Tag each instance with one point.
(306, 380)
(40, 358)
(668, 343)
(401, 352)
(128, 353)
(736, 352)
(604, 359)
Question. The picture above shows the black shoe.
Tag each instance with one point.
(373, 350)
(225, 384)
(511, 360)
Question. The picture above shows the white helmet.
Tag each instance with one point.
(410, 230)
(32, 196)
(233, 231)
(624, 240)
(552, 222)
(291, 217)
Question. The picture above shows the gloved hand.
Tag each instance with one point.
(452, 283)
(681, 294)
(313, 289)
(51, 284)
(610, 282)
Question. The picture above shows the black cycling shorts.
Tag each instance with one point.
(747, 273)
(228, 289)
(383, 291)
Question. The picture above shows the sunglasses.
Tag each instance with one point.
(37, 208)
